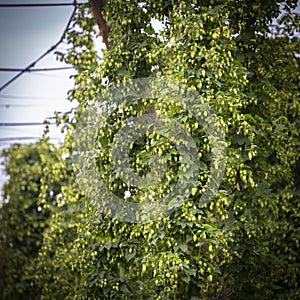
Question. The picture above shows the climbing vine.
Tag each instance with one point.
(243, 244)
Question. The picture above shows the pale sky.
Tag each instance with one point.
(25, 34)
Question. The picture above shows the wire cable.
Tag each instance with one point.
(39, 4)
(44, 54)
(15, 97)
(10, 105)
(16, 105)
(22, 138)
(34, 70)
(26, 124)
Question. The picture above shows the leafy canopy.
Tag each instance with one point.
(244, 243)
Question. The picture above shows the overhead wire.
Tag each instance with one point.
(8, 5)
(27, 97)
(8, 105)
(24, 138)
(48, 74)
(34, 70)
(26, 124)
(30, 66)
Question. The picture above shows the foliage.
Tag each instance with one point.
(53, 271)
(23, 219)
(245, 243)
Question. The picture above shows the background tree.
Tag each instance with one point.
(23, 217)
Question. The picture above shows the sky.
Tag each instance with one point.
(25, 34)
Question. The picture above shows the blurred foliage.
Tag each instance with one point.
(23, 219)
(245, 243)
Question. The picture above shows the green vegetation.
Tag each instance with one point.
(245, 243)
(23, 216)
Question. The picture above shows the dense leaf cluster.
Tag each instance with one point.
(244, 244)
